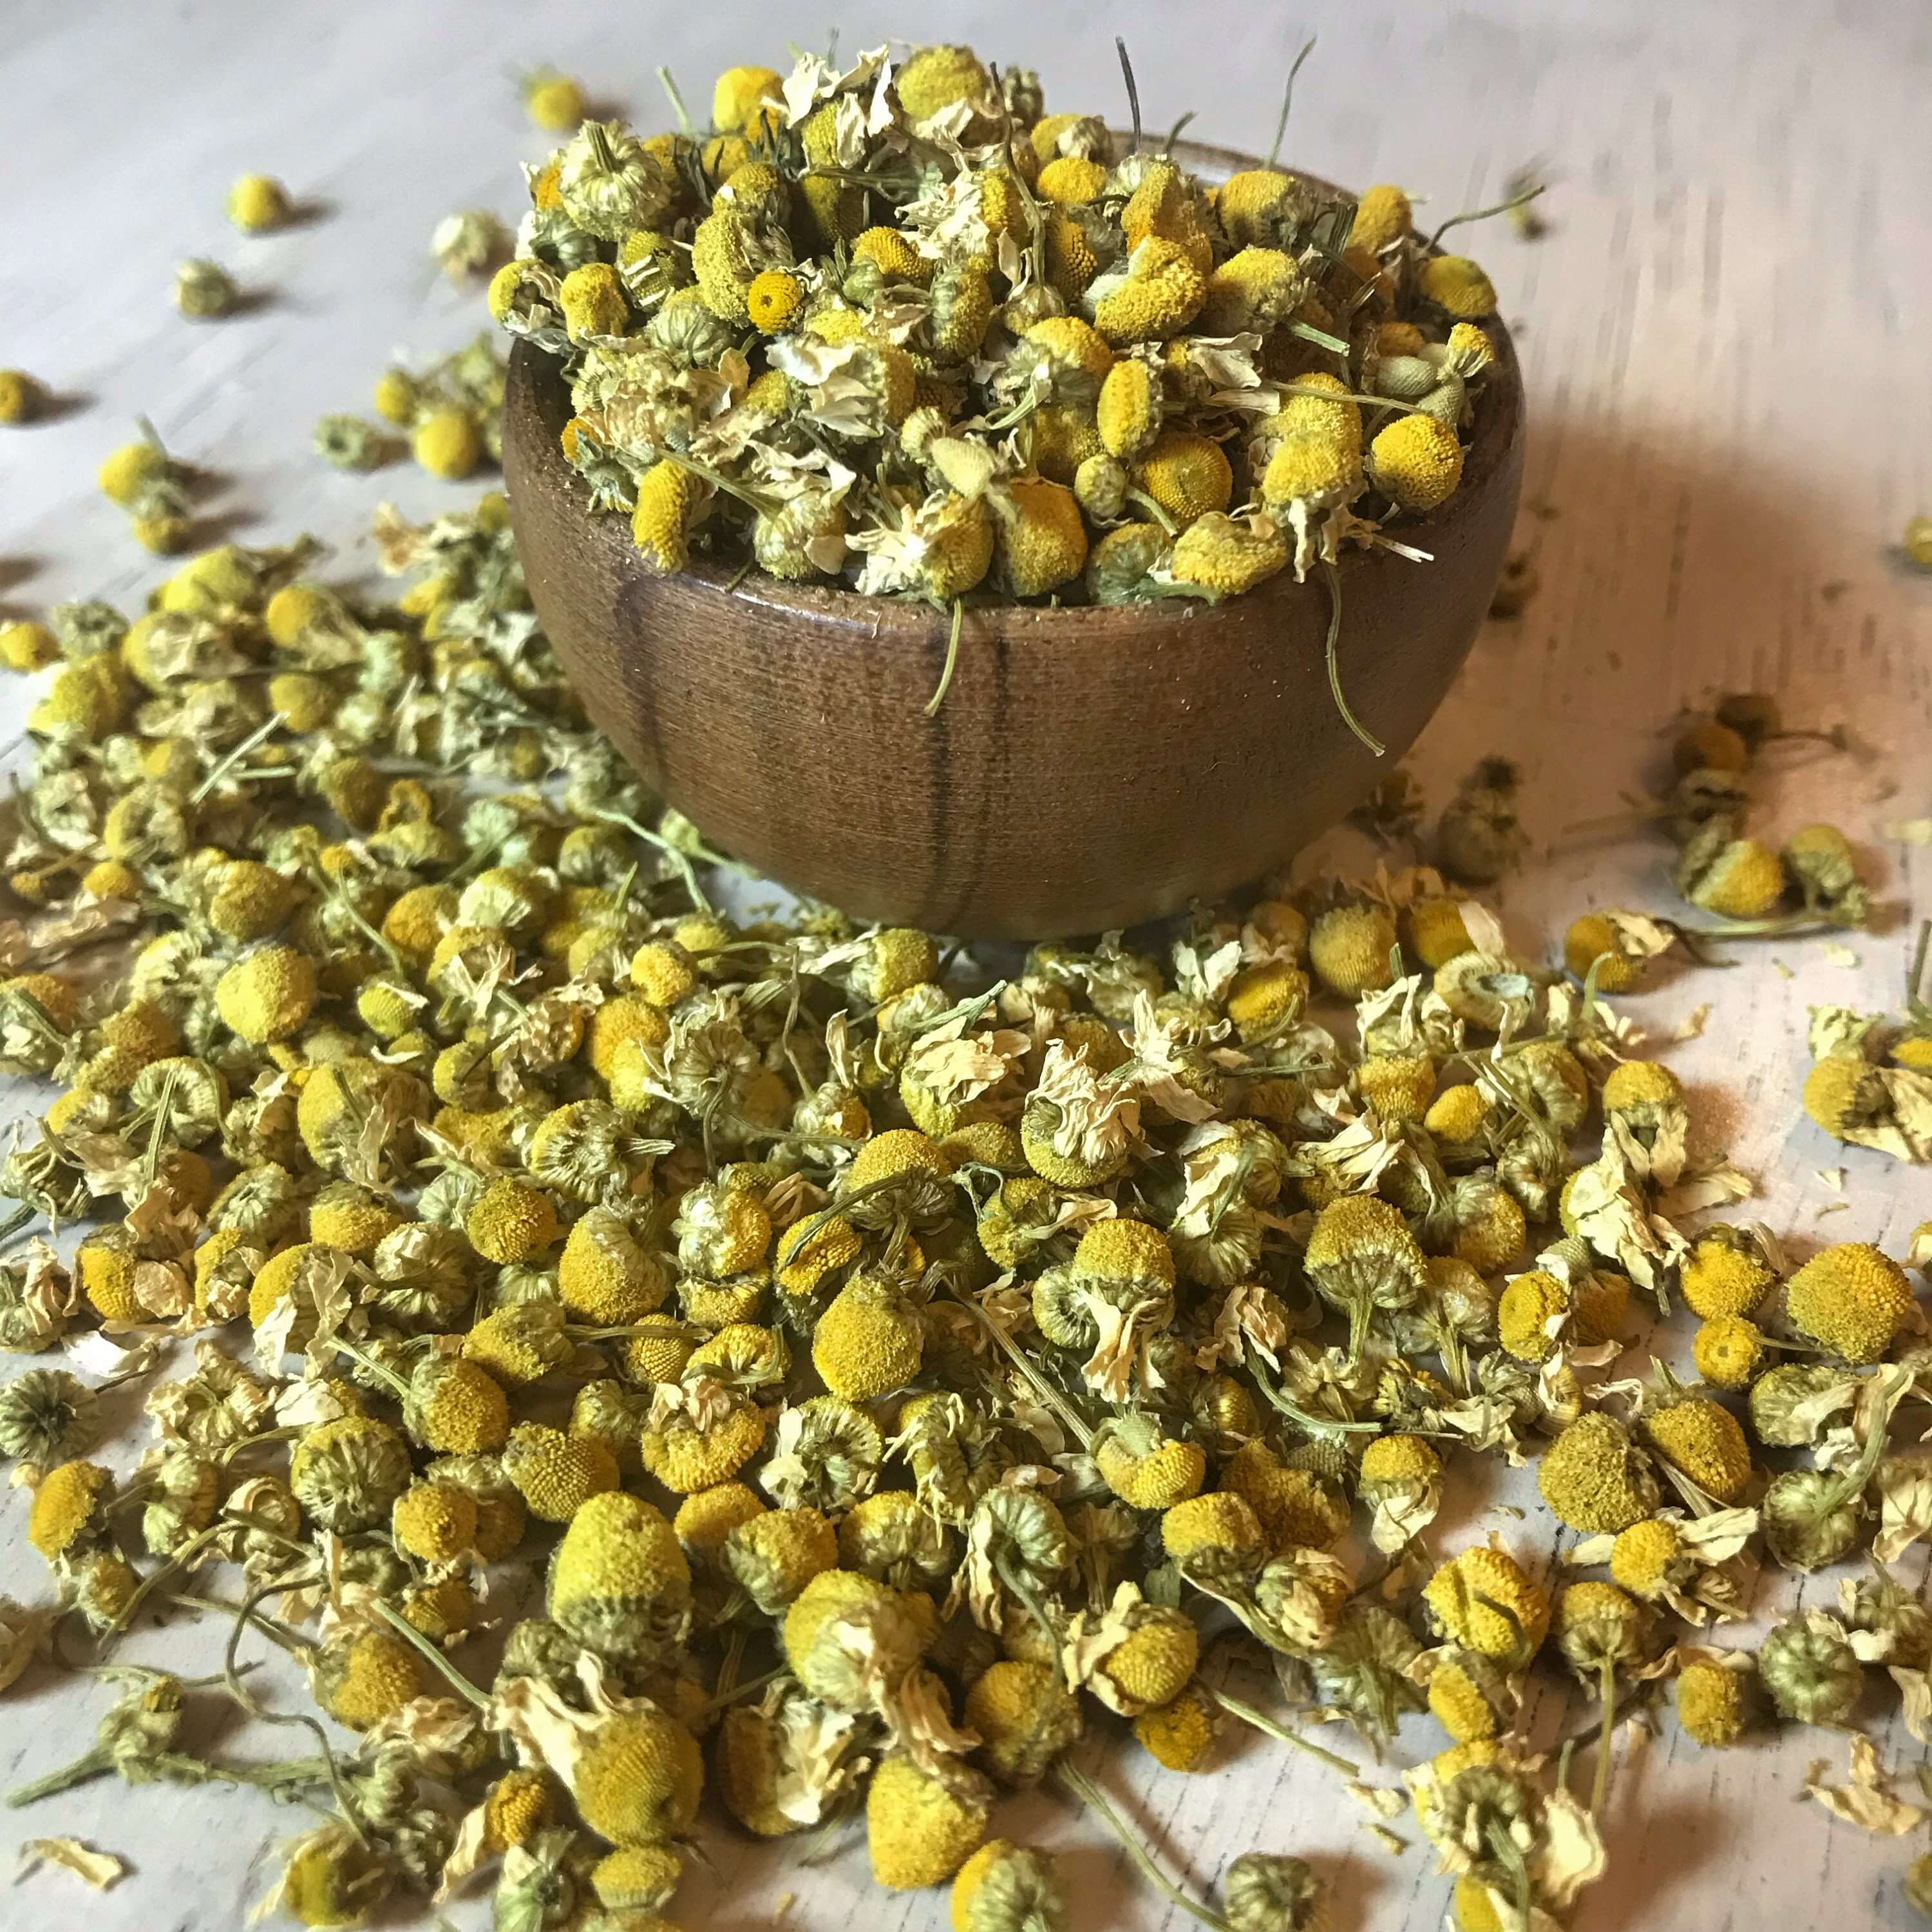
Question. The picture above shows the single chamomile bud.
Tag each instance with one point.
(69, 1510)
(348, 1474)
(1895, 1621)
(555, 1473)
(1362, 1257)
(1595, 1479)
(1725, 1274)
(922, 1826)
(21, 400)
(1026, 1718)
(1702, 1440)
(48, 1416)
(1811, 1517)
(1479, 836)
(1483, 1600)
(1736, 878)
(204, 289)
(472, 242)
(1266, 1892)
(1712, 1705)
(259, 202)
(349, 442)
(1007, 1887)
(1808, 1666)
(1851, 1299)
(1471, 1696)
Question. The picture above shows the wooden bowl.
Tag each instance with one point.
(1089, 768)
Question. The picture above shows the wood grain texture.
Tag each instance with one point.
(1722, 338)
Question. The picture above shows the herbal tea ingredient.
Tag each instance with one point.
(891, 1372)
(908, 332)
(893, 1375)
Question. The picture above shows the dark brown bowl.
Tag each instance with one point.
(1089, 768)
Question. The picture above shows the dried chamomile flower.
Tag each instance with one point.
(1808, 1666)
(259, 202)
(349, 442)
(1851, 1299)
(552, 101)
(1479, 837)
(21, 397)
(204, 289)
(1007, 1887)
(48, 1416)
(1362, 1257)
(1713, 1700)
(1484, 1602)
(470, 243)
(347, 1474)
(920, 1827)
(69, 1515)
(1594, 1478)
(1266, 1892)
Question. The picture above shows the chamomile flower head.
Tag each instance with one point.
(363, 1678)
(511, 1221)
(1026, 1718)
(920, 1826)
(638, 1779)
(1187, 474)
(1853, 1299)
(1007, 1887)
(1145, 1468)
(774, 1554)
(1809, 1666)
(1594, 1478)
(69, 1509)
(557, 1473)
(1362, 1257)
(1483, 1600)
(347, 1474)
(846, 1632)
(1712, 1701)
(1470, 1696)
(1728, 1350)
(1416, 462)
(869, 1341)
(1179, 1735)
(1383, 216)
(435, 1522)
(1458, 287)
(1734, 878)
(1349, 947)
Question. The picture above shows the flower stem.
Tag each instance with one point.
(1599, 1786)
(411, 1635)
(1080, 1786)
(1261, 1722)
(94, 1763)
(1349, 717)
(938, 697)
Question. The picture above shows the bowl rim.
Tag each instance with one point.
(1497, 424)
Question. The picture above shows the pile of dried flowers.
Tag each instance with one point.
(903, 329)
(894, 1370)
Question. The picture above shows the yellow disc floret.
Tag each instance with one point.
(1482, 1599)
(1853, 1299)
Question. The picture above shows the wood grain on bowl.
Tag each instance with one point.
(1089, 768)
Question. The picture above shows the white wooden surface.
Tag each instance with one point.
(1731, 404)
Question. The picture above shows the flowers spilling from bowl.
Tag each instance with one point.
(902, 329)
